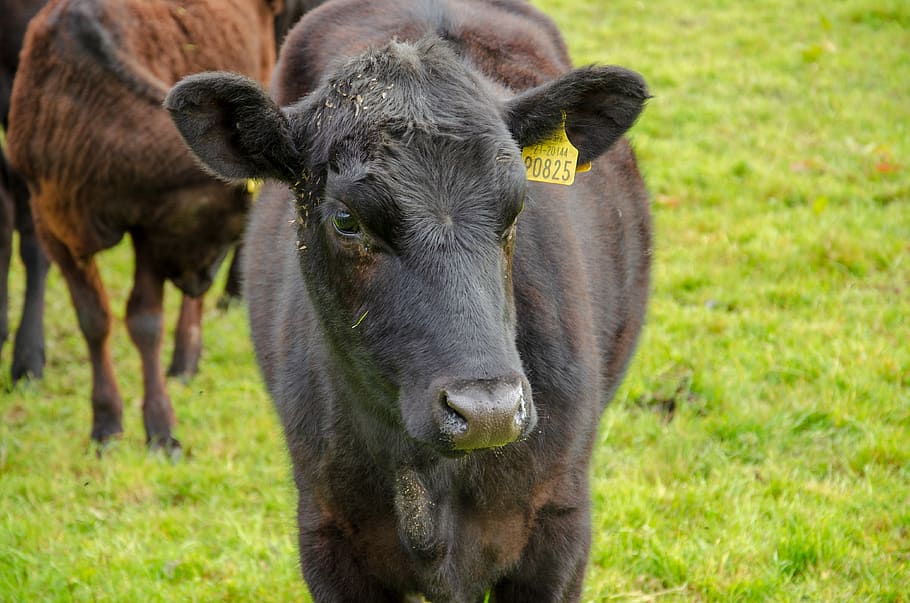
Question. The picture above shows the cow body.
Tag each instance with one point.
(292, 11)
(439, 362)
(28, 349)
(102, 159)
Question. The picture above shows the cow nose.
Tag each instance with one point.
(483, 413)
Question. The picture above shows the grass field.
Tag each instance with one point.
(759, 449)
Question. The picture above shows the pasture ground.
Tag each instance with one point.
(760, 447)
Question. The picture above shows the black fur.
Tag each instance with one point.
(605, 102)
(209, 107)
(15, 213)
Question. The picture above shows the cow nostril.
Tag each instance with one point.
(521, 414)
(453, 421)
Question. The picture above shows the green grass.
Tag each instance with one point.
(759, 449)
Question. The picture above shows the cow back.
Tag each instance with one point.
(94, 73)
(509, 41)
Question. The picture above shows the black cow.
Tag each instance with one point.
(291, 13)
(28, 349)
(440, 336)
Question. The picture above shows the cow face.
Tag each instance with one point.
(414, 262)
(408, 183)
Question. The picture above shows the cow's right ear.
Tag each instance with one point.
(233, 126)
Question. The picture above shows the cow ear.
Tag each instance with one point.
(599, 104)
(233, 126)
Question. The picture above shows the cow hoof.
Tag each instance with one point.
(105, 439)
(28, 365)
(169, 445)
(227, 301)
(183, 377)
(101, 448)
(183, 371)
(105, 433)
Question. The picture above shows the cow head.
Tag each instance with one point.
(408, 182)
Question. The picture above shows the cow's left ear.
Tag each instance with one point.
(233, 126)
(599, 103)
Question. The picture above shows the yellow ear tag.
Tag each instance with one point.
(253, 186)
(554, 160)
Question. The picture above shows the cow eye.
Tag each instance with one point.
(345, 224)
(521, 208)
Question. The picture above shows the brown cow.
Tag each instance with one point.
(102, 159)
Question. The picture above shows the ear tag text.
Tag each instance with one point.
(554, 160)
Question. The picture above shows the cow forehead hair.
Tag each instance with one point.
(403, 87)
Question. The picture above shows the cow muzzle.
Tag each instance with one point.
(485, 413)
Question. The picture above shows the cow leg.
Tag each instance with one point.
(553, 563)
(28, 351)
(187, 339)
(144, 322)
(94, 315)
(332, 574)
(6, 252)
(232, 288)
(330, 569)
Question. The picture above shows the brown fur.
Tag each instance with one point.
(103, 159)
